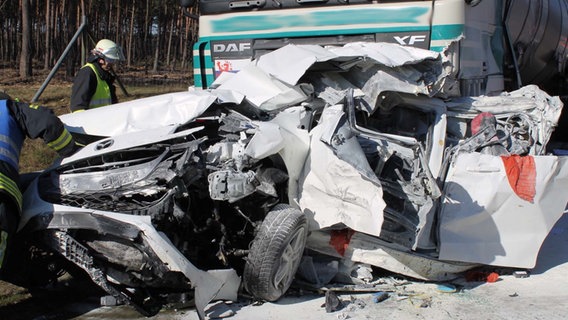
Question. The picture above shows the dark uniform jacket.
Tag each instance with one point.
(85, 85)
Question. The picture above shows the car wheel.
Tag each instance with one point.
(275, 253)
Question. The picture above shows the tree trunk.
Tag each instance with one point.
(26, 52)
(118, 25)
(170, 36)
(130, 34)
(71, 12)
(156, 54)
(46, 57)
(146, 27)
(184, 43)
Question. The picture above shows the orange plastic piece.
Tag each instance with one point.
(340, 240)
(521, 172)
(492, 277)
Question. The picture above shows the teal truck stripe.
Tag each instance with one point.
(440, 32)
(197, 66)
(447, 32)
(207, 65)
(334, 18)
(316, 33)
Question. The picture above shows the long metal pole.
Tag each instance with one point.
(60, 61)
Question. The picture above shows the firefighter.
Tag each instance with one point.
(93, 86)
(18, 120)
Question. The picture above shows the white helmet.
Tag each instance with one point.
(109, 50)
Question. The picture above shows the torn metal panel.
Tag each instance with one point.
(374, 251)
(337, 134)
(371, 67)
(332, 190)
(291, 62)
(288, 64)
(261, 89)
(266, 141)
(231, 283)
(528, 114)
(294, 124)
(394, 68)
(409, 188)
(483, 221)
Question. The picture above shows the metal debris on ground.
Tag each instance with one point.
(219, 310)
(380, 296)
(521, 274)
(357, 303)
(420, 301)
(332, 302)
(446, 288)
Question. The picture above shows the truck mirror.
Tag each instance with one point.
(472, 3)
(186, 3)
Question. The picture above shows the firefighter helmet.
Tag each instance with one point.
(108, 50)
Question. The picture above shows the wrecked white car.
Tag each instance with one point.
(193, 190)
(144, 212)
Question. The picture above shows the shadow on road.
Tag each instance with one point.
(554, 250)
(64, 300)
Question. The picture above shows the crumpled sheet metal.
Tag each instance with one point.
(332, 190)
(274, 80)
(363, 248)
(260, 89)
(141, 114)
(542, 110)
(291, 62)
(483, 220)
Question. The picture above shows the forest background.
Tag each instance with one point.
(155, 35)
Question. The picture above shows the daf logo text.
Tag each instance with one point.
(409, 40)
(231, 47)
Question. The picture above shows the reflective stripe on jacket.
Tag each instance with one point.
(102, 96)
(10, 187)
(62, 142)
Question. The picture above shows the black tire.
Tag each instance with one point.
(275, 253)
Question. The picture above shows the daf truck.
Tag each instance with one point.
(493, 45)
